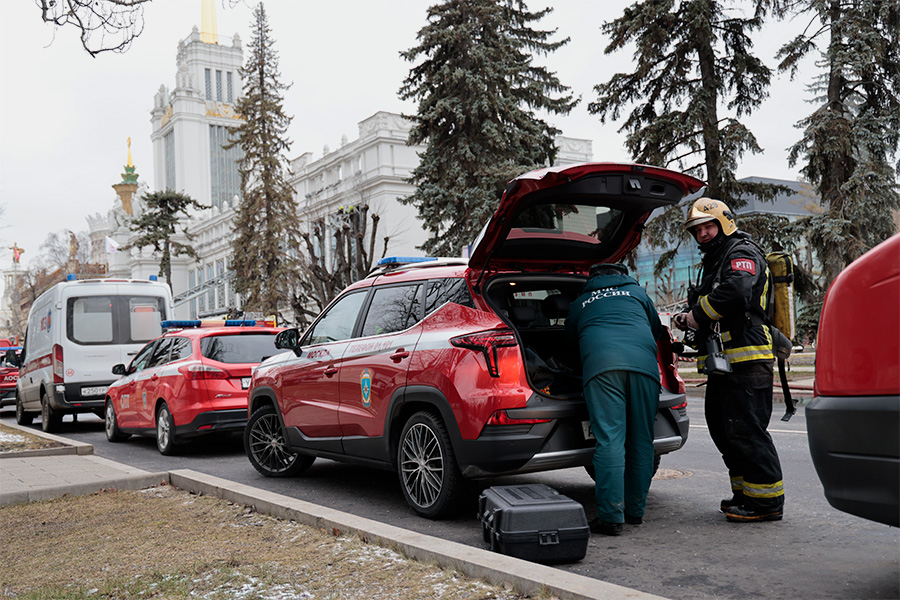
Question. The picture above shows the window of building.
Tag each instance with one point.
(229, 87)
(192, 283)
(208, 74)
(211, 294)
(169, 149)
(225, 180)
(220, 288)
(219, 86)
(201, 299)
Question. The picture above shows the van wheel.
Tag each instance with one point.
(165, 431)
(429, 476)
(50, 419)
(22, 416)
(111, 425)
(590, 468)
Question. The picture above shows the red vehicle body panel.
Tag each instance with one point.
(858, 350)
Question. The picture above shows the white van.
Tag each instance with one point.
(77, 330)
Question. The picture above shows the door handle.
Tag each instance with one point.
(399, 355)
(330, 371)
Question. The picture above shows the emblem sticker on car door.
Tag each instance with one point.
(365, 382)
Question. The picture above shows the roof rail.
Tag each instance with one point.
(392, 263)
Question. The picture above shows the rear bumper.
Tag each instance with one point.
(214, 420)
(855, 447)
(79, 397)
(559, 444)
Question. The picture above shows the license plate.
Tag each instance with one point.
(245, 383)
(98, 390)
(586, 427)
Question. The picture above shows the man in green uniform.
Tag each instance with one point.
(616, 326)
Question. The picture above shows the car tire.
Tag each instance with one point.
(50, 418)
(267, 448)
(590, 468)
(430, 479)
(23, 417)
(111, 425)
(165, 431)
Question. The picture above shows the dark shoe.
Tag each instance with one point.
(605, 527)
(740, 514)
(736, 500)
(633, 520)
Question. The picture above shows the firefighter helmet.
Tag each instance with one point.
(707, 209)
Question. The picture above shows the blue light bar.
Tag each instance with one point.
(402, 260)
(189, 323)
(180, 324)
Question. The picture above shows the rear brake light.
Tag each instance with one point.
(501, 417)
(487, 343)
(682, 405)
(57, 360)
(198, 371)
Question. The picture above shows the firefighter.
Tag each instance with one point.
(616, 325)
(731, 299)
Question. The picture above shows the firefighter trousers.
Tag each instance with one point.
(622, 406)
(738, 409)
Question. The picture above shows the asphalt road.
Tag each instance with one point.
(684, 550)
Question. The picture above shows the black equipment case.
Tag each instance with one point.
(533, 522)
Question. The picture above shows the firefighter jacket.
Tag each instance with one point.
(734, 293)
(616, 326)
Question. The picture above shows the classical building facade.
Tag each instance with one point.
(190, 126)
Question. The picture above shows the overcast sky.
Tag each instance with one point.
(66, 116)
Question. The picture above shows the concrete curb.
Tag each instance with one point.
(70, 447)
(526, 577)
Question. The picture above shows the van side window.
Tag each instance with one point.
(393, 309)
(441, 291)
(144, 318)
(114, 319)
(90, 319)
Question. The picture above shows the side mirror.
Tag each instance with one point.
(118, 369)
(287, 339)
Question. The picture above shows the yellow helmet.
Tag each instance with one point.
(707, 209)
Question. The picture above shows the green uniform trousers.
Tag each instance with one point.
(622, 406)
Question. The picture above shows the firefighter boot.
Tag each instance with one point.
(736, 500)
(742, 514)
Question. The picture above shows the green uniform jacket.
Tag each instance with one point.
(616, 326)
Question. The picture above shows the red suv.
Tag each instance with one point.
(450, 369)
(190, 381)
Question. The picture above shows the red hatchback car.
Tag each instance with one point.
(443, 370)
(190, 381)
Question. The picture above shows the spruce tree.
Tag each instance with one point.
(851, 137)
(477, 91)
(266, 226)
(694, 77)
(158, 225)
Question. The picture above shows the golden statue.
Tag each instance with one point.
(130, 164)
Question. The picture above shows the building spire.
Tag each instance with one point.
(130, 164)
(209, 33)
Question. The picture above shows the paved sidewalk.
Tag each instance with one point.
(33, 475)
